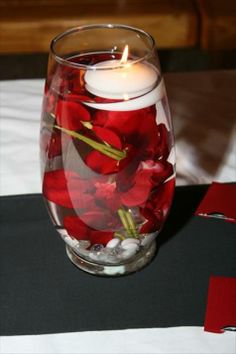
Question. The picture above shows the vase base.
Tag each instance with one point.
(137, 263)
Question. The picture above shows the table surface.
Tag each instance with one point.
(171, 291)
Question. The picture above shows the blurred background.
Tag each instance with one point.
(191, 35)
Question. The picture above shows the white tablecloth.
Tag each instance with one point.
(19, 174)
(172, 340)
(19, 134)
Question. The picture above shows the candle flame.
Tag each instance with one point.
(125, 55)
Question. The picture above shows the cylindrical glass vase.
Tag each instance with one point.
(107, 147)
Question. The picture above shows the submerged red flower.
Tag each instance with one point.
(139, 183)
(138, 191)
(117, 193)
(163, 142)
(55, 187)
(139, 136)
(160, 170)
(122, 163)
(69, 190)
(66, 188)
(66, 80)
(106, 195)
(70, 114)
(137, 127)
(98, 161)
(152, 223)
(157, 207)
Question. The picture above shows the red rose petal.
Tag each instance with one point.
(101, 163)
(163, 149)
(161, 199)
(137, 128)
(78, 229)
(160, 170)
(152, 223)
(163, 171)
(100, 219)
(85, 200)
(139, 192)
(70, 114)
(108, 136)
(77, 98)
(107, 195)
(55, 188)
(127, 122)
(102, 237)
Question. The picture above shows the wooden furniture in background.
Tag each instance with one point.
(218, 24)
(27, 26)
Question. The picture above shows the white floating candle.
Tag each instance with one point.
(116, 82)
(144, 101)
(134, 83)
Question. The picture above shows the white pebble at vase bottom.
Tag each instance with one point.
(113, 243)
(129, 261)
(129, 248)
(130, 241)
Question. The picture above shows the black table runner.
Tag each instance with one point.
(41, 291)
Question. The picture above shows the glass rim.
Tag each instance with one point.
(66, 62)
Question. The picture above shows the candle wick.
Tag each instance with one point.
(125, 55)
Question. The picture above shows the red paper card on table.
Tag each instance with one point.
(221, 304)
(219, 202)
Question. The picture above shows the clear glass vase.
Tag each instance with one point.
(107, 147)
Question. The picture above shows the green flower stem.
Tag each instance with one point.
(105, 149)
(119, 235)
(123, 219)
(131, 224)
(128, 222)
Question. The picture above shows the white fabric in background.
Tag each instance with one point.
(20, 107)
(20, 110)
(175, 340)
